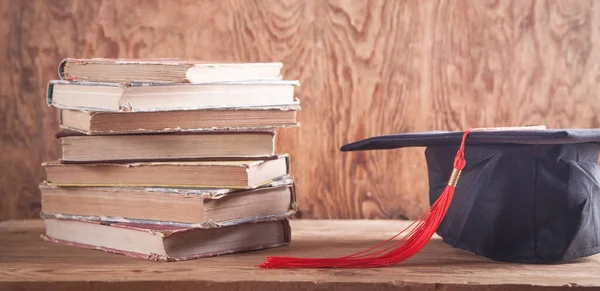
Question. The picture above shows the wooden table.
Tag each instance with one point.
(28, 263)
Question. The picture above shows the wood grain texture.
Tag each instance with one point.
(28, 263)
(366, 68)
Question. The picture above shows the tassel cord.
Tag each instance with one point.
(387, 253)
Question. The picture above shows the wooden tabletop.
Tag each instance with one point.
(28, 263)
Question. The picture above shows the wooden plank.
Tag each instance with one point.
(366, 68)
(27, 262)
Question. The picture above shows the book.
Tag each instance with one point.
(81, 148)
(164, 71)
(165, 242)
(199, 208)
(153, 97)
(90, 122)
(193, 174)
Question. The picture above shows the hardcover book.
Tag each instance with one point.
(167, 243)
(241, 118)
(223, 145)
(94, 96)
(199, 208)
(164, 71)
(193, 174)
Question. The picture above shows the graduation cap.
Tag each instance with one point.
(526, 194)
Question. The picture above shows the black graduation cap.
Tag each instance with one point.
(528, 195)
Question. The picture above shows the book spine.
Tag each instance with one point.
(49, 93)
(61, 68)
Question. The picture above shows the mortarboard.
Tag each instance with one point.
(526, 194)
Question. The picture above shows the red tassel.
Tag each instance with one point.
(388, 252)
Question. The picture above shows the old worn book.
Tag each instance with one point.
(239, 118)
(165, 242)
(207, 174)
(78, 147)
(155, 97)
(164, 70)
(200, 208)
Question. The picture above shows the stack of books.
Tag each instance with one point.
(169, 160)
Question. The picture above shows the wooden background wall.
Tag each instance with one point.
(366, 68)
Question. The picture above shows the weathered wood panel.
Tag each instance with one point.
(366, 68)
